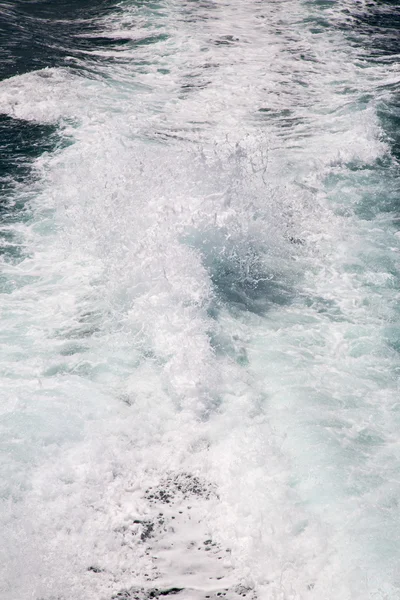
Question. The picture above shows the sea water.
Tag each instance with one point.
(199, 300)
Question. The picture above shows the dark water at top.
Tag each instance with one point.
(379, 26)
(36, 34)
(375, 30)
(43, 33)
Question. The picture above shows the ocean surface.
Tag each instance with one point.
(199, 299)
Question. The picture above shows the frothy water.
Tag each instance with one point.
(199, 309)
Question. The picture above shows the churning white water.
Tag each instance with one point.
(198, 332)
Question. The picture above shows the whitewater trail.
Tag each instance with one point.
(199, 397)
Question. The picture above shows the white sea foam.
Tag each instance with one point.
(194, 299)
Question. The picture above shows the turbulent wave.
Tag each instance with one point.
(199, 340)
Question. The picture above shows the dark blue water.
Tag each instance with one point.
(40, 33)
(34, 35)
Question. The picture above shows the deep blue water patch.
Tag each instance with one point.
(20, 143)
(43, 33)
(378, 24)
(36, 34)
